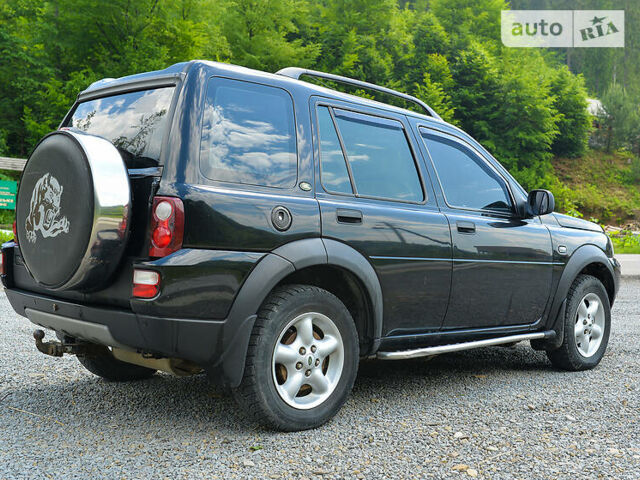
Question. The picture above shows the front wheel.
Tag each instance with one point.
(302, 359)
(587, 325)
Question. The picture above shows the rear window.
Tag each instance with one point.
(248, 135)
(134, 122)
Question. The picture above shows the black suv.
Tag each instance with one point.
(272, 232)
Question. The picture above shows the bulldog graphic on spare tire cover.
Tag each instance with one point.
(44, 212)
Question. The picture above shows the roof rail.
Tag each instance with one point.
(296, 73)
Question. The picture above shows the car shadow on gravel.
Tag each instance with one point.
(192, 402)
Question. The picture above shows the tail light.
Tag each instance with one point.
(146, 283)
(167, 226)
(15, 232)
(3, 263)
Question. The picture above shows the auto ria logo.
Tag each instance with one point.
(597, 22)
(562, 28)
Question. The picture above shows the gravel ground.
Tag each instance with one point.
(495, 413)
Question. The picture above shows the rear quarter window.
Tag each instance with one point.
(134, 122)
(248, 134)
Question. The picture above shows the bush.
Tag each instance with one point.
(625, 242)
(5, 236)
(633, 176)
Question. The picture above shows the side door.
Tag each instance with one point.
(375, 196)
(502, 263)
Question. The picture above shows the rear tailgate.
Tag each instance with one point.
(137, 124)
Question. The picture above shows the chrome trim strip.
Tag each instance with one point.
(244, 192)
(469, 260)
(380, 257)
(472, 260)
(457, 347)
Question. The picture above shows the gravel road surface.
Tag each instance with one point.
(500, 413)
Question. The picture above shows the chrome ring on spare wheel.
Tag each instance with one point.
(589, 325)
(307, 360)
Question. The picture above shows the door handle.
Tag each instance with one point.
(466, 227)
(346, 215)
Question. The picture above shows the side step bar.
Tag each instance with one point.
(456, 347)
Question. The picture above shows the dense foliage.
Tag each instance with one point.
(524, 105)
(619, 117)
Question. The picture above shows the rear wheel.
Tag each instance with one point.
(587, 325)
(107, 367)
(302, 359)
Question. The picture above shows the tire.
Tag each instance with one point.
(285, 321)
(587, 325)
(109, 368)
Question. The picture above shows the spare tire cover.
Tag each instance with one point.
(72, 211)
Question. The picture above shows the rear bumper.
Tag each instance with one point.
(213, 344)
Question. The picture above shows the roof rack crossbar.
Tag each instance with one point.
(296, 73)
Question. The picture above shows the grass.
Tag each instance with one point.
(635, 249)
(625, 242)
(603, 185)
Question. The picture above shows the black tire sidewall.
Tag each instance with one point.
(585, 286)
(314, 300)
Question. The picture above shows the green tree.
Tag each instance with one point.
(351, 34)
(471, 21)
(433, 94)
(618, 118)
(263, 34)
(574, 123)
(24, 68)
(475, 75)
(505, 104)
(436, 84)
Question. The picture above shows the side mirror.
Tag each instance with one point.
(540, 202)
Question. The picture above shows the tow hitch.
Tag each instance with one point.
(57, 349)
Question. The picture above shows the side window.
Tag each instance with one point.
(379, 156)
(248, 134)
(334, 173)
(466, 179)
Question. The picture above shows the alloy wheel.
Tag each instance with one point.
(307, 360)
(589, 325)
